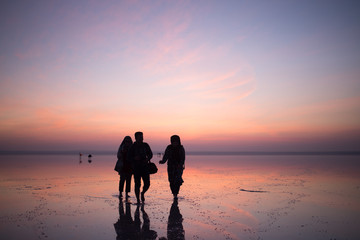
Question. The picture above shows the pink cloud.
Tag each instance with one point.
(212, 81)
(228, 87)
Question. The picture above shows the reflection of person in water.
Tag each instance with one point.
(125, 226)
(144, 232)
(175, 156)
(175, 229)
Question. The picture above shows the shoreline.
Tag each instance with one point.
(195, 153)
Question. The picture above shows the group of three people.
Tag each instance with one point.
(135, 157)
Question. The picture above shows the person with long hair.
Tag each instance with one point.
(175, 157)
(125, 169)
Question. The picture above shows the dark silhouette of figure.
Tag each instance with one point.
(126, 170)
(175, 157)
(175, 229)
(144, 232)
(139, 155)
(125, 226)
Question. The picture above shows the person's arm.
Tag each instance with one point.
(183, 157)
(148, 152)
(165, 157)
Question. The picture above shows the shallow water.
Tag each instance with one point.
(223, 197)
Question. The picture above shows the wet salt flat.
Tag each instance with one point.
(223, 197)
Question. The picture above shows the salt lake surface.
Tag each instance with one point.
(223, 197)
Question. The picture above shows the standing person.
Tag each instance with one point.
(139, 155)
(125, 171)
(175, 156)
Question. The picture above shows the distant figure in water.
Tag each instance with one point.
(139, 155)
(175, 156)
(123, 166)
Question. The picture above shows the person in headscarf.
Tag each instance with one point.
(125, 170)
(175, 157)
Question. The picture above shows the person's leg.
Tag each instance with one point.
(128, 184)
(171, 178)
(146, 179)
(121, 184)
(172, 188)
(176, 189)
(137, 179)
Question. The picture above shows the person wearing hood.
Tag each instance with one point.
(175, 157)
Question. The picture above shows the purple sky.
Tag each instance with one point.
(224, 75)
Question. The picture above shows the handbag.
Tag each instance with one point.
(119, 165)
(152, 168)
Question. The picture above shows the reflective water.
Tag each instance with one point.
(223, 197)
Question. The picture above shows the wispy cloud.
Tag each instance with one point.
(206, 83)
(205, 70)
(227, 87)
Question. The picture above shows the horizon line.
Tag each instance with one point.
(108, 152)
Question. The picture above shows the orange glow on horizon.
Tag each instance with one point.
(78, 87)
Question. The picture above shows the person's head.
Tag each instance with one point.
(127, 142)
(139, 137)
(175, 140)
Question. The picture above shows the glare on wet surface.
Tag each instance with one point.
(223, 197)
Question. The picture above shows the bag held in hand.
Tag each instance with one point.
(152, 168)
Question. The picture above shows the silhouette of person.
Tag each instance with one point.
(144, 232)
(125, 226)
(175, 157)
(139, 155)
(175, 229)
(126, 170)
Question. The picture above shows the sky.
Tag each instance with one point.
(223, 75)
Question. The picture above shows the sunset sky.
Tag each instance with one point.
(224, 75)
